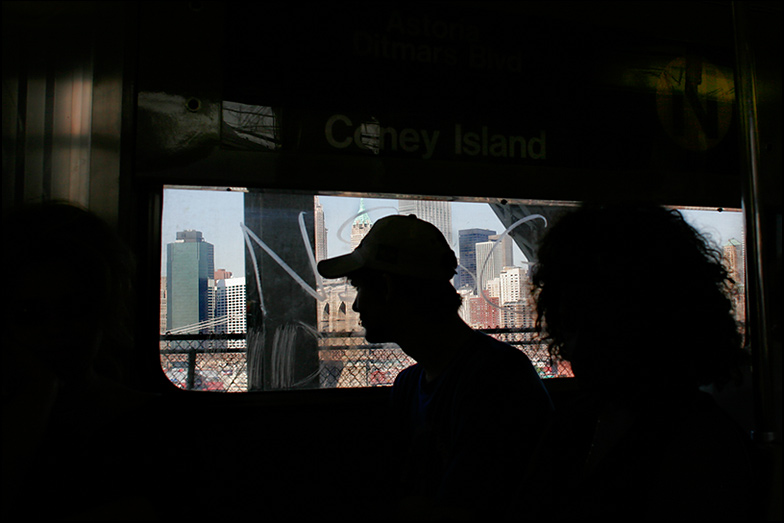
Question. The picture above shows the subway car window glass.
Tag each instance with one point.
(243, 307)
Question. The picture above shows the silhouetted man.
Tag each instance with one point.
(472, 409)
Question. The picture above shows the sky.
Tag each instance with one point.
(339, 213)
(218, 215)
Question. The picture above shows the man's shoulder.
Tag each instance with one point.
(485, 347)
(408, 376)
(494, 361)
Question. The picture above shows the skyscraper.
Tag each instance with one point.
(491, 257)
(466, 272)
(513, 284)
(190, 265)
(320, 228)
(435, 212)
(517, 311)
(230, 302)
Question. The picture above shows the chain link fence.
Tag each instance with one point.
(214, 362)
(218, 362)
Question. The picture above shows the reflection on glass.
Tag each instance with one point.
(249, 127)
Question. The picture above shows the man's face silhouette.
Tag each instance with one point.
(373, 305)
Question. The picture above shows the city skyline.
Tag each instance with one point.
(502, 302)
(218, 215)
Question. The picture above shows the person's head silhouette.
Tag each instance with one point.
(635, 298)
(72, 294)
(402, 270)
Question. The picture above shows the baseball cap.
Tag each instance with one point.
(397, 244)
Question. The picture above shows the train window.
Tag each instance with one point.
(243, 308)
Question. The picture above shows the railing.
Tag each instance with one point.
(217, 362)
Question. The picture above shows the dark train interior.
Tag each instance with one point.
(522, 109)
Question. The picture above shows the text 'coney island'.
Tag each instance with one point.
(341, 132)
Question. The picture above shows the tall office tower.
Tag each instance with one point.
(466, 272)
(190, 265)
(320, 228)
(437, 213)
(230, 302)
(361, 225)
(485, 264)
(515, 288)
(491, 259)
(512, 284)
(506, 250)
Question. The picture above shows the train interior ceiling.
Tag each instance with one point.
(262, 113)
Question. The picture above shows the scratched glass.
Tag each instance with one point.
(244, 309)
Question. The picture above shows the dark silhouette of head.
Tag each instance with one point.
(634, 298)
(69, 284)
(403, 245)
(402, 270)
